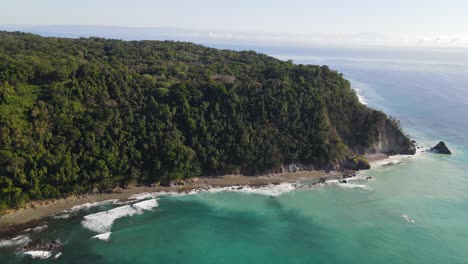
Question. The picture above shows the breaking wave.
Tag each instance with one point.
(102, 222)
(67, 213)
(38, 254)
(270, 190)
(15, 242)
(349, 185)
(396, 159)
(104, 236)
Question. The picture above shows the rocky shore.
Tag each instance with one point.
(34, 213)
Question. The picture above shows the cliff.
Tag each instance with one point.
(392, 141)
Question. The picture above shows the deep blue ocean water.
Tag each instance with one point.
(360, 222)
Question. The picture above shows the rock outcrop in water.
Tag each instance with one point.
(42, 246)
(441, 148)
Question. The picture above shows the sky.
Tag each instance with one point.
(387, 22)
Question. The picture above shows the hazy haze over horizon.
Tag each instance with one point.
(299, 22)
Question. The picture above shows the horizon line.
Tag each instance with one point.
(271, 39)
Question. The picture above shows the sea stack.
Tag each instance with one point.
(441, 148)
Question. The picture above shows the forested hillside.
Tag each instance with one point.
(90, 114)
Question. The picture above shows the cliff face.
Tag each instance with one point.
(391, 141)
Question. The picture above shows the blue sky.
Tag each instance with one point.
(415, 22)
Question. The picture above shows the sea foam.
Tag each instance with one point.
(361, 98)
(104, 236)
(102, 222)
(67, 213)
(37, 229)
(14, 242)
(348, 185)
(409, 219)
(270, 190)
(91, 205)
(142, 196)
(396, 159)
(38, 254)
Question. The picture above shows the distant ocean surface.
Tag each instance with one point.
(415, 210)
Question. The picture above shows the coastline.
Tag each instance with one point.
(35, 212)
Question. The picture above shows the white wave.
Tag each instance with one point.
(37, 229)
(91, 205)
(409, 219)
(396, 159)
(270, 190)
(68, 213)
(348, 185)
(143, 196)
(14, 242)
(61, 216)
(357, 178)
(146, 205)
(361, 98)
(353, 186)
(104, 236)
(102, 222)
(38, 254)
(124, 202)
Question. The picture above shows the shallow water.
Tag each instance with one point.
(360, 222)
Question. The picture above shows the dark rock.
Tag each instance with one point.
(41, 245)
(441, 148)
(356, 163)
(368, 178)
(169, 182)
(344, 181)
(178, 182)
(165, 182)
(322, 180)
(348, 174)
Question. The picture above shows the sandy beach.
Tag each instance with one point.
(35, 211)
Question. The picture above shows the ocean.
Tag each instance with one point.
(413, 210)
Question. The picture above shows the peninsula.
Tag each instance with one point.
(91, 115)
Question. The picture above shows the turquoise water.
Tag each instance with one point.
(360, 222)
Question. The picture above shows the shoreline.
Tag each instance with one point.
(36, 212)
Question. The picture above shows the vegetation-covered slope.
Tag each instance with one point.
(78, 115)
